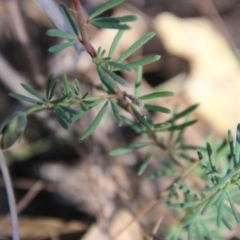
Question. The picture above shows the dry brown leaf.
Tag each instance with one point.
(214, 79)
(39, 228)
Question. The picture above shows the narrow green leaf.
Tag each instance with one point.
(190, 231)
(142, 119)
(234, 211)
(106, 81)
(156, 95)
(69, 110)
(66, 83)
(129, 148)
(33, 92)
(191, 147)
(135, 46)
(211, 159)
(96, 121)
(157, 108)
(24, 98)
(180, 126)
(61, 118)
(183, 113)
(156, 174)
(102, 53)
(108, 5)
(59, 100)
(73, 90)
(63, 114)
(119, 66)
(114, 76)
(219, 214)
(49, 85)
(127, 18)
(116, 112)
(231, 144)
(111, 25)
(237, 145)
(61, 46)
(115, 43)
(78, 86)
(53, 89)
(145, 162)
(85, 95)
(138, 81)
(61, 34)
(191, 218)
(99, 50)
(68, 17)
(82, 111)
(183, 204)
(135, 126)
(106, 59)
(143, 61)
(221, 198)
(226, 223)
(211, 201)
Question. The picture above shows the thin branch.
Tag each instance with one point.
(156, 227)
(153, 202)
(11, 198)
(82, 27)
(24, 202)
(136, 218)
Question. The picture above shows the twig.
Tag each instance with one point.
(136, 218)
(11, 198)
(184, 174)
(26, 184)
(23, 203)
(156, 227)
(82, 27)
(154, 201)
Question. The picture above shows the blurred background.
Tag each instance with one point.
(71, 189)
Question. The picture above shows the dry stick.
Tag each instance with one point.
(136, 218)
(23, 203)
(154, 201)
(26, 184)
(207, 7)
(156, 227)
(11, 198)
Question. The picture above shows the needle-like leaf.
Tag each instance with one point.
(136, 46)
(108, 5)
(95, 122)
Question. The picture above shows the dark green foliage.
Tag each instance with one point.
(206, 211)
(96, 121)
(218, 198)
(68, 18)
(103, 8)
(13, 129)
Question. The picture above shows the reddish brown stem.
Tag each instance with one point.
(82, 27)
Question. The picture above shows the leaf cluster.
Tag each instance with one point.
(220, 197)
(164, 142)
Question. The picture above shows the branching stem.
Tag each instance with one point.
(82, 27)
